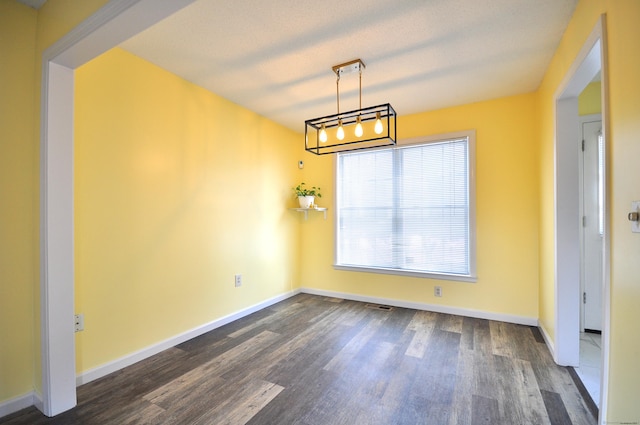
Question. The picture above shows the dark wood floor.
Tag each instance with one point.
(313, 360)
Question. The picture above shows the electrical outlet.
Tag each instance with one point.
(437, 291)
(238, 280)
(79, 322)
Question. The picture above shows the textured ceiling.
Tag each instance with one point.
(36, 4)
(275, 57)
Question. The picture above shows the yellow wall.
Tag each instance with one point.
(590, 100)
(624, 67)
(624, 120)
(507, 216)
(176, 191)
(57, 17)
(505, 165)
(18, 239)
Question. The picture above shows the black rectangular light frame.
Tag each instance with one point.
(349, 119)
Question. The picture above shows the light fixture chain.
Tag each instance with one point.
(338, 91)
(360, 72)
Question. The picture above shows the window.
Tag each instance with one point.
(409, 209)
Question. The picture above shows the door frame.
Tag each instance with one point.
(115, 22)
(583, 119)
(591, 59)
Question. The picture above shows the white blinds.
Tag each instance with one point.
(405, 208)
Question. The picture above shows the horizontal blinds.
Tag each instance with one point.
(405, 208)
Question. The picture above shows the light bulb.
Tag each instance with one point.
(340, 132)
(323, 134)
(378, 127)
(359, 130)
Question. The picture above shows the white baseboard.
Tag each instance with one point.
(509, 318)
(548, 340)
(13, 405)
(16, 404)
(128, 360)
(38, 402)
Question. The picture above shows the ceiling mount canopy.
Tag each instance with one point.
(363, 128)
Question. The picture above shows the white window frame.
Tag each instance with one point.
(470, 135)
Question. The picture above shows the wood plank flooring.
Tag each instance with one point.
(313, 360)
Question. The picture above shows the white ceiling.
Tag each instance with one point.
(36, 4)
(275, 57)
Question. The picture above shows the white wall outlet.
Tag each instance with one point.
(437, 291)
(238, 280)
(79, 322)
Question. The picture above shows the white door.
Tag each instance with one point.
(592, 224)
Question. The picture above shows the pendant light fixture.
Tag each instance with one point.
(363, 128)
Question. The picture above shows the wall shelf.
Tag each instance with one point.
(306, 211)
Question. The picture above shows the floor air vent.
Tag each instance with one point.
(379, 307)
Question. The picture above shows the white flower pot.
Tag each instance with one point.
(306, 201)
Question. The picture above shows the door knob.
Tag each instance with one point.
(634, 216)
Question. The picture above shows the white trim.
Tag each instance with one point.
(547, 339)
(16, 404)
(410, 273)
(154, 349)
(37, 401)
(56, 241)
(478, 314)
(606, 290)
(590, 118)
(591, 58)
(115, 22)
(437, 138)
(112, 24)
(567, 232)
(472, 277)
(583, 119)
(32, 399)
(566, 198)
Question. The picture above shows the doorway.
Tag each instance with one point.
(590, 61)
(108, 27)
(592, 193)
(592, 230)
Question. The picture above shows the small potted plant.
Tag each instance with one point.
(306, 196)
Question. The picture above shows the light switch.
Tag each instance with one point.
(634, 215)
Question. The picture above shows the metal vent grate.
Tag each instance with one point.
(379, 307)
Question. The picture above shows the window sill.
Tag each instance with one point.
(397, 272)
